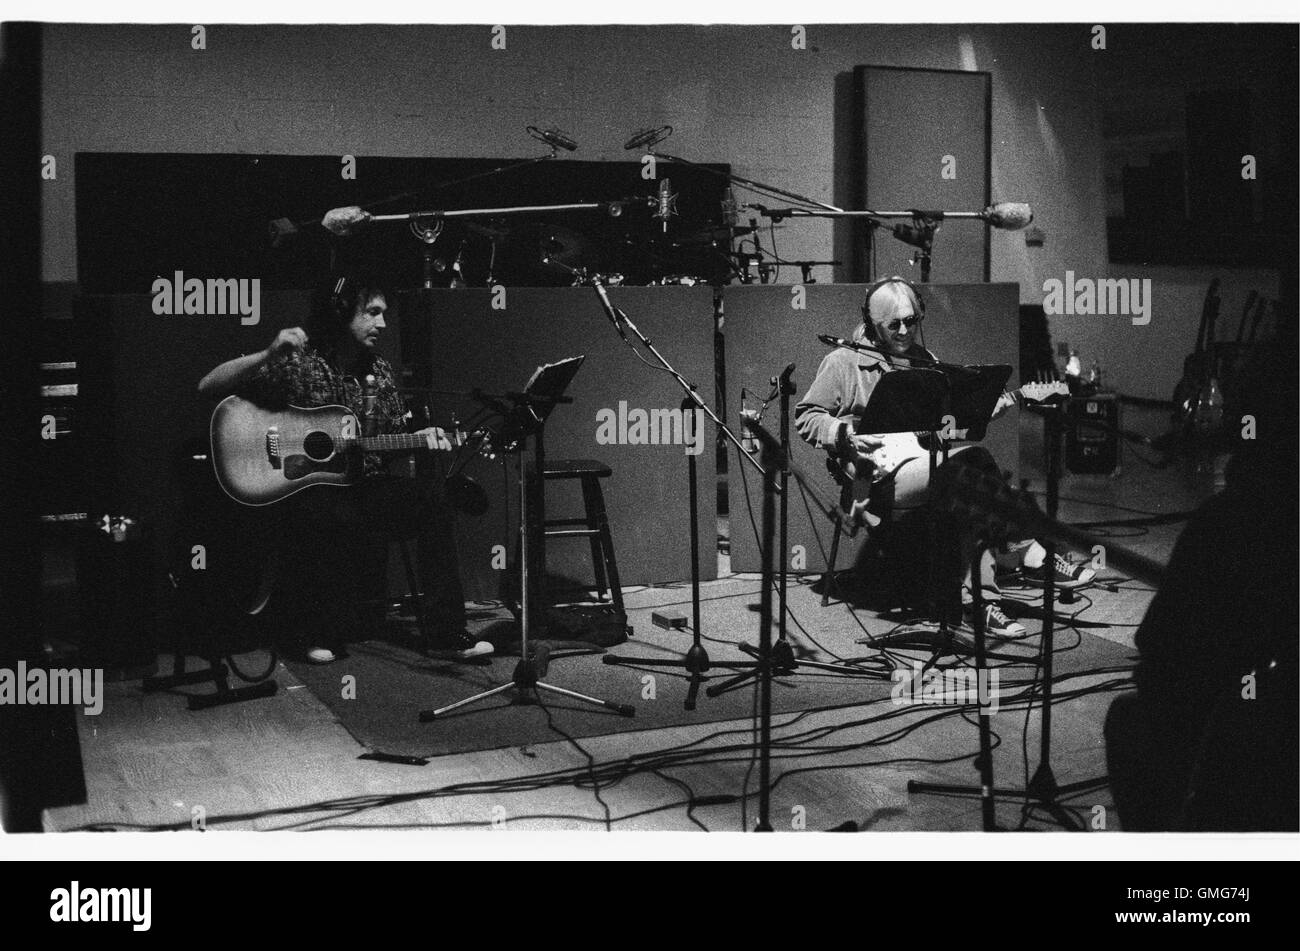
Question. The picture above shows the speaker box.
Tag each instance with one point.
(1088, 449)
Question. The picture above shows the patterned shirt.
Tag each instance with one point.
(314, 377)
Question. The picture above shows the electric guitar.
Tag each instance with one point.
(262, 456)
(889, 462)
(1000, 513)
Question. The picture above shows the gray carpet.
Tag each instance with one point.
(393, 684)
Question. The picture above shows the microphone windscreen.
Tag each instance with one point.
(343, 221)
(1008, 215)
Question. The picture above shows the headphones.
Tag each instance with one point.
(869, 328)
(340, 302)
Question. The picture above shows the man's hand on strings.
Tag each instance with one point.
(862, 446)
(435, 437)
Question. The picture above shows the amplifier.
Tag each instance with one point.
(1090, 450)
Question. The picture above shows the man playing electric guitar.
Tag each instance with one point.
(327, 536)
(895, 507)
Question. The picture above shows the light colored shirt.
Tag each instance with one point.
(839, 394)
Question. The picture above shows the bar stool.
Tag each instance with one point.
(593, 525)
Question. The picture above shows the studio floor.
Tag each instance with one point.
(286, 762)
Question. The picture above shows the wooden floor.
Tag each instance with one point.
(284, 763)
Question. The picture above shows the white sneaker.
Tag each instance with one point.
(320, 655)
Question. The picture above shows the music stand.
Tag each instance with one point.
(527, 417)
(940, 399)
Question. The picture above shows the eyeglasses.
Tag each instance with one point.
(898, 323)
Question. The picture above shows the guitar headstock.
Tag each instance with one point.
(1045, 392)
(996, 511)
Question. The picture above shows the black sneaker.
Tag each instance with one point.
(1068, 574)
(460, 645)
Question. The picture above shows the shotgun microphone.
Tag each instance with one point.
(345, 221)
(1008, 215)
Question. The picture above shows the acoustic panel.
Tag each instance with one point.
(924, 142)
(964, 323)
(474, 344)
(142, 370)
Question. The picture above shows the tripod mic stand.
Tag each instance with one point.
(772, 459)
(696, 662)
(697, 659)
(782, 654)
(1043, 788)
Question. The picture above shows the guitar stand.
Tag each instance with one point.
(525, 681)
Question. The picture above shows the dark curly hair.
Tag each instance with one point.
(335, 301)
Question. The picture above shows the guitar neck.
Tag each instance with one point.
(398, 442)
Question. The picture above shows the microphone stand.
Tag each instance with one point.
(920, 233)
(697, 659)
(696, 662)
(1043, 787)
(526, 682)
(782, 656)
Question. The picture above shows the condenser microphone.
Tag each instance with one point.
(1008, 215)
(345, 221)
(837, 342)
(648, 137)
(666, 203)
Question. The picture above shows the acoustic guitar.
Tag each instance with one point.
(262, 456)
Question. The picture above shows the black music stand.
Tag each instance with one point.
(941, 399)
(527, 417)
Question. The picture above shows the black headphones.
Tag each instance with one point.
(340, 302)
(868, 327)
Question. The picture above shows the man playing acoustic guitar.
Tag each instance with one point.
(825, 418)
(328, 536)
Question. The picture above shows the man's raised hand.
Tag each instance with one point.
(286, 341)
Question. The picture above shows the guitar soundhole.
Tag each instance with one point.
(318, 446)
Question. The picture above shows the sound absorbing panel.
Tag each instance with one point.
(923, 141)
(472, 344)
(143, 369)
(964, 323)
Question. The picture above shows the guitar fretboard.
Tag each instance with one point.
(395, 442)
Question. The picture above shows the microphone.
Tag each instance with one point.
(1008, 215)
(666, 203)
(558, 139)
(837, 342)
(369, 406)
(345, 221)
(648, 137)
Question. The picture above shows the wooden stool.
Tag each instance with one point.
(593, 525)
